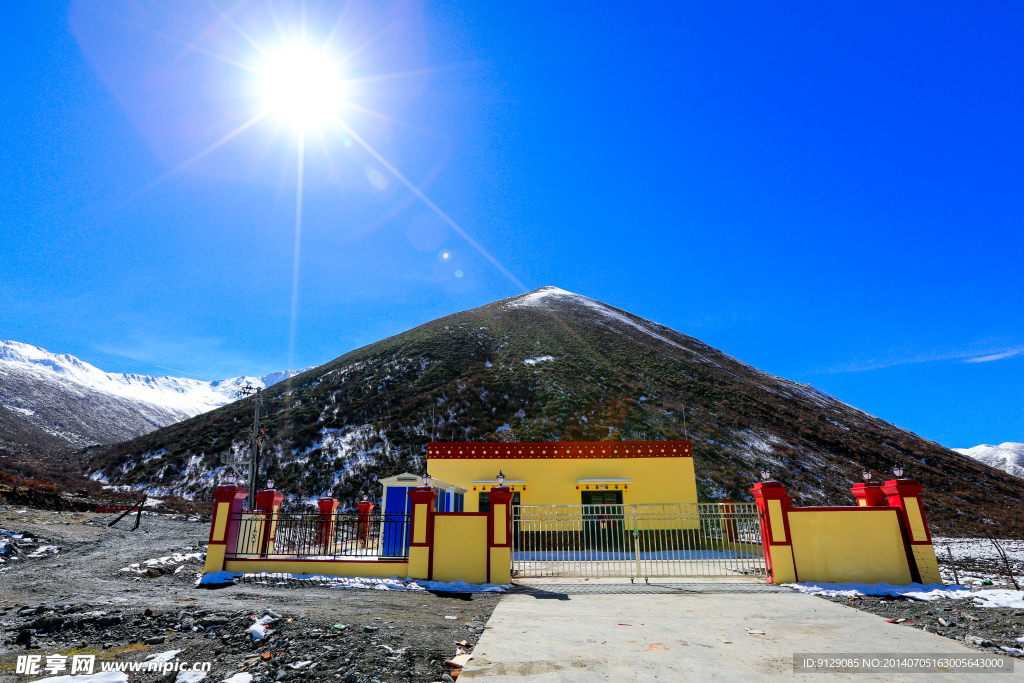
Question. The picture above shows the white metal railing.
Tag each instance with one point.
(706, 539)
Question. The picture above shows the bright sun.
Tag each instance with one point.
(301, 86)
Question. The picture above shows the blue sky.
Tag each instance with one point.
(831, 194)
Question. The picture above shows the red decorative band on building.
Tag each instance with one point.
(561, 449)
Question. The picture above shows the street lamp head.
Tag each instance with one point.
(866, 474)
(501, 478)
(426, 479)
(897, 470)
(270, 484)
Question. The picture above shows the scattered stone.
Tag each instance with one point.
(155, 640)
(371, 629)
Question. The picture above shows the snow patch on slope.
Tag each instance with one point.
(1008, 457)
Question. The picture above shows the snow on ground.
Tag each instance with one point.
(932, 591)
(161, 562)
(102, 677)
(1008, 457)
(976, 560)
(538, 359)
(394, 583)
(991, 597)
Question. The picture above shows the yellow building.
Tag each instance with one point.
(562, 473)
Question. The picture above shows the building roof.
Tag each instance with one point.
(560, 449)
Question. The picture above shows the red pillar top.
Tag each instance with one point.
(500, 495)
(230, 493)
(365, 508)
(328, 506)
(906, 488)
(268, 501)
(869, 494)
(770, 490)
(423, 494)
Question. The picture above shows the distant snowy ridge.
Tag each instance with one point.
(182, 394)
(1008, 457)
(53, 401)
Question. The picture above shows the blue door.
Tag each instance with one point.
(395, 534)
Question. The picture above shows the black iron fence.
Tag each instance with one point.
(313, 535)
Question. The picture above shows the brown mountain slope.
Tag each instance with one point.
(550, 365)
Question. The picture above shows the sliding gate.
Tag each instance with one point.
(720, 539)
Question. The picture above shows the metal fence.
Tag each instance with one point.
(312, 535)
(722, 539)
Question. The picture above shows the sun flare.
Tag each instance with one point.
(301, 86)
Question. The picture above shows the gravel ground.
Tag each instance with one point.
(80, 601)
(990, 629)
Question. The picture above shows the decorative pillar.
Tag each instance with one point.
(728, 519)
(325, 525)
(905, 494)
(269, 504)
(365, 509)
(227, 510)
(869, 494)
(421, 532)
(773, 507)
(499, 536)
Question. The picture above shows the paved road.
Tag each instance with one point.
(549, 631)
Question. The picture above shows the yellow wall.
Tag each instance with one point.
(381, 570)
(848, 545)
(501, 566)
(460, 548)
(220, 524)
(214, 558)
(927, 565)
(552, 481)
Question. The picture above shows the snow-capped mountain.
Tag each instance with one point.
(53, 402)
(1008, 457)
(551, 365)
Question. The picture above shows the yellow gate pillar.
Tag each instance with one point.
(227, 511)
(499, 536)
(421, 533)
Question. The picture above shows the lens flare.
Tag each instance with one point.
(301, 86)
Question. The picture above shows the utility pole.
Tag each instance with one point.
(256, 442)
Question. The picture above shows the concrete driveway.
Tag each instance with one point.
(679, 630)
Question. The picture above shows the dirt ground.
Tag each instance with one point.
(84, 603)
(984, 628)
